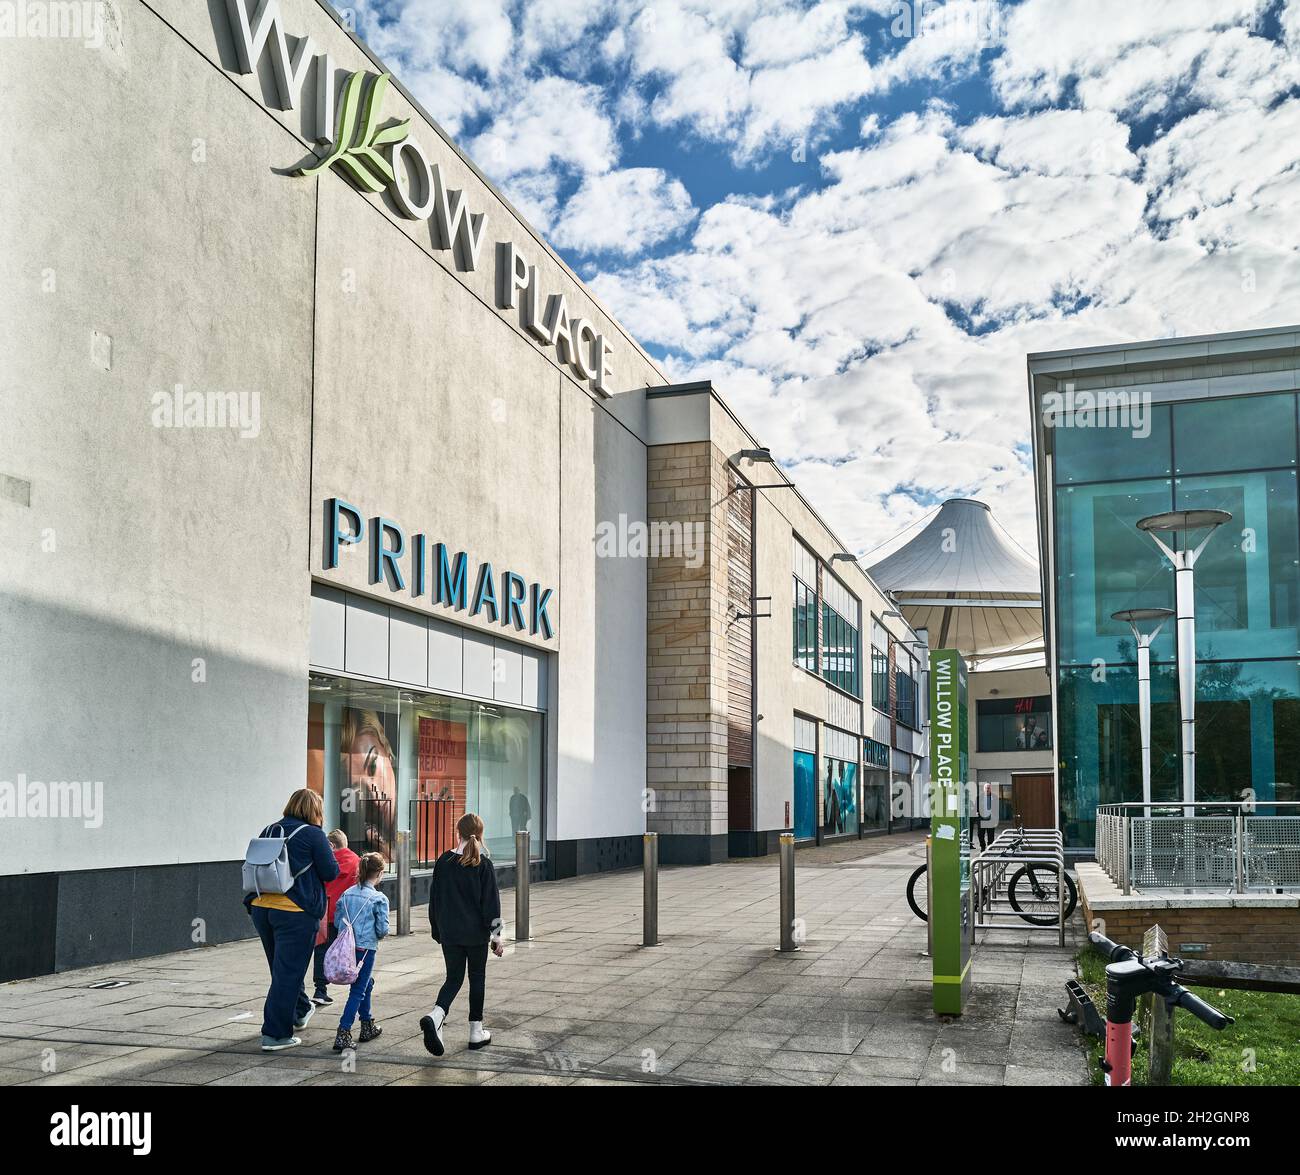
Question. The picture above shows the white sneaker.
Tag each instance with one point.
(307, 1015)
(431, 1026)
(479, 1037)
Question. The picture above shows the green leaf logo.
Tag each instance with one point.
(356, 141)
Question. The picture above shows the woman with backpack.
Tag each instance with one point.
(287, 917)
(364, 909)
(465, 918)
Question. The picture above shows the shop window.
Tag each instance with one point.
(839, 783)
(1014, 724)
(384, 759)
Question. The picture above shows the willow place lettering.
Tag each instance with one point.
(78, 1127)
(413, 181)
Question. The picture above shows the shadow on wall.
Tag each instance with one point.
(181, 754)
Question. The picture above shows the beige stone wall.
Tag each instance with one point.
(686, 698)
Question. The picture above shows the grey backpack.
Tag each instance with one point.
(266, 864)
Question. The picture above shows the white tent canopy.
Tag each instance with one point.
(965, 580)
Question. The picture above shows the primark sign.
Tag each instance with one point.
(383, 158)
(435, 572)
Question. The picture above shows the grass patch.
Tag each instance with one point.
(1266, 1022)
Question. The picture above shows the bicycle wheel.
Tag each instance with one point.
(918, 894)
(1032, 893)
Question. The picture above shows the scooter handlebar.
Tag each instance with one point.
(1203, 1011)
(1112, 950)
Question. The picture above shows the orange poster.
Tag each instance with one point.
(443, 754)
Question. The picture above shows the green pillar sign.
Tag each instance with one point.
(950, 880)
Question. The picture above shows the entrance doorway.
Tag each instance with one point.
(1032, 800)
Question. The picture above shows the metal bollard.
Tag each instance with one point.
(650, 890)
(787, 893)
(402, 846)
(521, 886)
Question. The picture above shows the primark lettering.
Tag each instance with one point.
(350, 131)
(437, 572)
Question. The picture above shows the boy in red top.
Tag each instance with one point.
(347, 878)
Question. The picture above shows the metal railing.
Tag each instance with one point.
(1037, 857)
(433, 829)
(1201, 848)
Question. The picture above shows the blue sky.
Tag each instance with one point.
(858, 216)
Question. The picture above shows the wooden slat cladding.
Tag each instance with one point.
(740, 591)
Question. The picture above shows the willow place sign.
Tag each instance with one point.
(380, 158)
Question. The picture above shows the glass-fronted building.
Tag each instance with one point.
(1124, 432)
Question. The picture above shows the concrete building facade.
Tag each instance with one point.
(320, 467)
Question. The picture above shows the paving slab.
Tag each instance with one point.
(584, 1003)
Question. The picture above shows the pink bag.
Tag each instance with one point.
(341, 965)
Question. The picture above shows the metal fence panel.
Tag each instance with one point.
(1272, 852)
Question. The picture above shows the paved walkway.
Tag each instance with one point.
(584, 1003)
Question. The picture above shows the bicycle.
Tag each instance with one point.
(1032, 890)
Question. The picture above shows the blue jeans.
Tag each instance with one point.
(359, 992)
(287, 938)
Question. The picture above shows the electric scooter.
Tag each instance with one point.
(1128, 976)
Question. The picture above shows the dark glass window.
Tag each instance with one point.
(840, 641)
(905, 696)
(1241, 432)
(805, 626)
(1014, 724)
(880, 680)
(1085, 452)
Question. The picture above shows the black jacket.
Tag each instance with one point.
(464, 902)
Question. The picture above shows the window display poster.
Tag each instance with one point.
(442, 773)
(369, 775)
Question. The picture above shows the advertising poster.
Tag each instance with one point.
(369, 778)
(441, 790)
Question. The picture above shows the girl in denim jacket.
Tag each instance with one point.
(366, 909)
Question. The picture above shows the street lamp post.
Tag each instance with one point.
(1134, 617)
(1182, 522)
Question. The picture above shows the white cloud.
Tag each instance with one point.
(555, 122)
(624, 212)
(1054, 142)
(1120, 54)
(871, 325)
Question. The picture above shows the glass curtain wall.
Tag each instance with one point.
(1236, 454)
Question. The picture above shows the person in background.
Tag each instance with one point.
(521, 812)
(465, 917)
(287, 923)
(327, 933)
(984, 817)
(365, 909)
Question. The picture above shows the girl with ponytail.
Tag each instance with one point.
(465, 918)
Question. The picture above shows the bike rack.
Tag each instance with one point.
(992, 869)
